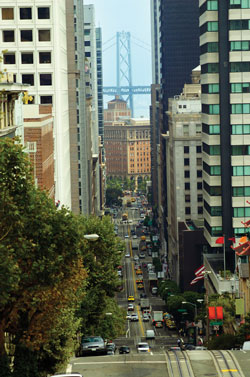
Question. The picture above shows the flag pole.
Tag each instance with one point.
(224, 255)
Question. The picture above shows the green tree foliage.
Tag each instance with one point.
(244, 330)
(101, 259)
(41, 269)
(113, 196)
(222, 342)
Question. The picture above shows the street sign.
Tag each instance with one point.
(182, 310)
(216, 328)
(216, 323)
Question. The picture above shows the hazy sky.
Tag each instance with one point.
(130, 16)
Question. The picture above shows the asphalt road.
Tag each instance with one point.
(159, 362)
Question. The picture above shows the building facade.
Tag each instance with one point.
(127, 148)
(184, 165)
(34, 32)
(117, 108)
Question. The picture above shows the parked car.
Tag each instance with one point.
(124, 349)
(143, 348)
(92, 344)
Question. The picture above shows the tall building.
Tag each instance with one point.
(117, 108)
(34, 35)
(155, 40)
(91, 86)
(99, 81)
(179, 38)
(184, 166)
(225, 67)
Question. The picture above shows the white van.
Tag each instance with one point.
(150, 334)
(246, 346)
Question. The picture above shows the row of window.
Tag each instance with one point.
(240, 46)
(214, 210)
(214, 231)
(27, 57)
(198, 149)
(209, 47)
(188, 198)
(209, 5)
(188, 210)
(237, 129)
(241, 212)
(187, 186)
(44, 35)
(187, 173)
(44, 79)
(43, 13)
(236, 150)
(43, 100)
(211, 109)
(234, 67)
(243, 87)
(237, 171)
(238, 4)
(212, 150)
(236, 191)
(236, 108)
(211, 26)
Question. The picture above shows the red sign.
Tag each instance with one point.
(211, 312)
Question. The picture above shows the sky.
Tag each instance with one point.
(130, 16)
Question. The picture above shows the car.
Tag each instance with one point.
(136, 258)
(127, 255)
(126, 236)
(131, 298)
(143, 348)
(145, 317)
(134, 317)
(175, 348)
(130, 307)
(143, 295)
(142, 255)
(92, 344)
(110, 348)
(75, 374)
(139, 272)
(134, 236)
(124, 349)
(140, 286)
(128, 316)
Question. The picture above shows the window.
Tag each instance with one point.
(199, 185)
(27, 58)
(212, 5)
(44, 57)
(198, 149)
(44, 35)
(45, 79)
(240, 108)
(8, 36)
(240, 150)
(240, 129)
(239, 46)
(187, 186)
(25, 14)
(187, 210)
(199, 198)
(213, 129)
(239, 24)
(187, 198)
(214, 109)
(8, 13)
(87, 43)
(199, 173)
(240, 67)
(241, 212)
(26, 36)
(186, 161)
(199, 161)
(86, 31)
(185, 130)
(43, 13)
(240, 87)
(88, 54)
(212, 26)
(241, 170)
(186, 149)
(9, 58)
(241, 191)
(200, 210)
(239, 4)
(44, 100)
(186, 173)
(213, 88)
(28, 79)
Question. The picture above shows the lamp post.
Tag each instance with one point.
(91, 237)
(195, 311)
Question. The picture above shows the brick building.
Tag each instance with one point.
(39, 142)
(117, 108)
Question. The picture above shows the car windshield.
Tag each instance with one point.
(92, 339)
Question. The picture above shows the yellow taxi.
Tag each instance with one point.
(131, 298)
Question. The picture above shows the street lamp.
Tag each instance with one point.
(91, 237)
(195, 308)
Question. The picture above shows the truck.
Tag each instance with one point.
(124, 216)
(157, 318)
(153, 282)
(144, 303)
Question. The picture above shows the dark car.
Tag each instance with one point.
(143, 295)
(124, 349)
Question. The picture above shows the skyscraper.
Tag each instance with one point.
(225, 67)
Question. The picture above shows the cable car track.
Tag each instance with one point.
(178, 364)
(225, 367)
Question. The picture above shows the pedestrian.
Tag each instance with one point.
(179, 342)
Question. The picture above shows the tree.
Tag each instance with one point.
(41, 267)
(113, 196)
(101, 259)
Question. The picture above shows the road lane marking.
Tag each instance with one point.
(122, 362)
(229, 370)
(69, 368)
(140, 321)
